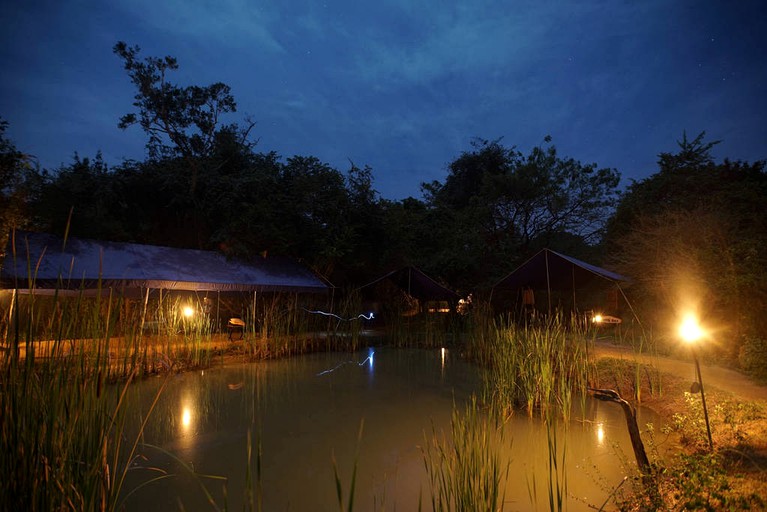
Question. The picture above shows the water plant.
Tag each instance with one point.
(467, 470)
(61, 433)
(536, 367)
(339, 485)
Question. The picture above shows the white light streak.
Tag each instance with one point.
(363, 316)
(368, 359)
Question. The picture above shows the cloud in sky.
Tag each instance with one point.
(400, 85)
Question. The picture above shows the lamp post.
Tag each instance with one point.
(691, 333)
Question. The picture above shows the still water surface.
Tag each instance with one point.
(307, 411)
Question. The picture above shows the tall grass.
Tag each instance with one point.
(535, 367)
(61, 431)
(424, 329)
(467, 471)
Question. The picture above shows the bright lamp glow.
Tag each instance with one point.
(597, 319)
(690, 330)
(186, 417)
(188, 311)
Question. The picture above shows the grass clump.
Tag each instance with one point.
(60, 435)
(467, 470)
(690, 476)
(535, 367)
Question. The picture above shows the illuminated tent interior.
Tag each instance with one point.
(409, 291)
(560, 282)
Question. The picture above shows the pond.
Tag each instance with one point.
(308, 411)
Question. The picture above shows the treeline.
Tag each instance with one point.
(495, 207)
(693, 231)
(205, 185)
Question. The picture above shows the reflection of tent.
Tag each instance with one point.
(551, 271)
(418, 290)
(91, 264)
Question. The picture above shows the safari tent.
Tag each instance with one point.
(39, 261)
(407, 291)
(556, 281)
(45, 264)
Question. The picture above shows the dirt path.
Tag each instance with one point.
(713, 376)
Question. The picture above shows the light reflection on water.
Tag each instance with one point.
(307, 410)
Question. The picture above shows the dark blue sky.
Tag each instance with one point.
(403, 85)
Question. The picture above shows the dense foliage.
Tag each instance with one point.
(696, 228)
(693, 236)
(203, 185)
(497, 206)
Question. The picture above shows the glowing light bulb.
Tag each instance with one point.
(188, 311)
(186, 417)
(690, 330)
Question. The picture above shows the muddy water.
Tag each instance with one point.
(308, 411)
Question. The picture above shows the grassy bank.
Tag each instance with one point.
(67, 363)
(64, 444)
(731, 477)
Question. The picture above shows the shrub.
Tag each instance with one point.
(753, 356)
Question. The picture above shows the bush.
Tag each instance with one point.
(753, 356)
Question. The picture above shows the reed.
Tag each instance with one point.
(468, 470)
(62, 424)
(557, 472)
(353, 482)
(535, 367)
(61, 430)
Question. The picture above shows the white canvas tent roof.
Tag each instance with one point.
(89, 264)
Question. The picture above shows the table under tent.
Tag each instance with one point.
(159, 287)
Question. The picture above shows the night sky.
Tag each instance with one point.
(403, 85)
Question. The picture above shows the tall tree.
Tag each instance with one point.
(315, 205)
(81, 197)
(180, 121)
(502, 204)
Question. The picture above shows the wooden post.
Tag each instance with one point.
(610, 395)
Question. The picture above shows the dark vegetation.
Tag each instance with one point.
(694, 228)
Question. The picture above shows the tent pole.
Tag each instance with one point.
(575, 306)
(548, 281)
(630, 307)
(332, 305)
(143, 315)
